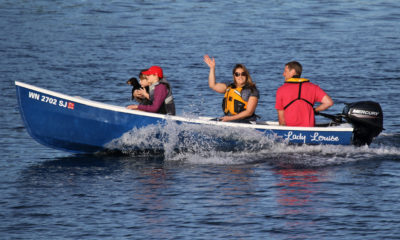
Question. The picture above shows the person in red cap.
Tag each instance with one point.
(160, 93)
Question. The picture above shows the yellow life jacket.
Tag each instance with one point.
(233, 102)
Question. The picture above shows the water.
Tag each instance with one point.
(264, 190)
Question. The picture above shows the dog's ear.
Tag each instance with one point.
(131, 81)
(135, 83)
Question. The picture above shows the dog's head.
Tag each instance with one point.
(134, 83)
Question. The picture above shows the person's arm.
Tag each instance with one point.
(279, 107)
(326, 103)
(141, 96)
(132, 107)
(144, 94)
(218, 87)
(137, 96)
(251, 108)
(160, 93)
(281, 117)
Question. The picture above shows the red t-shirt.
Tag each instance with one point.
(299, 113)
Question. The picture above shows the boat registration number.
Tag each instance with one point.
(51, 100)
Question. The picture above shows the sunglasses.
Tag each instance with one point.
(237, 74)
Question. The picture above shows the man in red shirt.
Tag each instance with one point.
(296, 97)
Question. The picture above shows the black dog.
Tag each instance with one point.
(135, 85)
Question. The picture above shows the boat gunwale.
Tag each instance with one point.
(266, 125)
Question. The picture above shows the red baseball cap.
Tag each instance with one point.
(154, 70)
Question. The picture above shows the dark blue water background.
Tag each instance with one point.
(267, 191)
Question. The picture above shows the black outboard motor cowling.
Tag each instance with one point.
(367, 120)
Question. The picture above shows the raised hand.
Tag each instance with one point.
(209, 61)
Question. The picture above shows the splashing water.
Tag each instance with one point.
(174, 138)
(212, 144)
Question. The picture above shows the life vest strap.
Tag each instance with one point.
(299, 94)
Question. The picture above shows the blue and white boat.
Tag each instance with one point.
(80, 125)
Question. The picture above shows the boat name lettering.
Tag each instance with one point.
(317, 138)
(51, 100)
(291, 136)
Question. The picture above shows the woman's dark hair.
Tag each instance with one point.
(249, 80)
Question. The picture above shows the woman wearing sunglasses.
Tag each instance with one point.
(241, 96)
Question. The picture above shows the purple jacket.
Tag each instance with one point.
(160, 93)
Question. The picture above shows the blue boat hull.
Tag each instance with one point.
(83, 126)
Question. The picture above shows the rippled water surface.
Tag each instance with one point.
(263, 190)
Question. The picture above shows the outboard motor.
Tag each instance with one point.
(367, 120)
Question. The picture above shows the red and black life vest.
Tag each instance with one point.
(300, 82)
